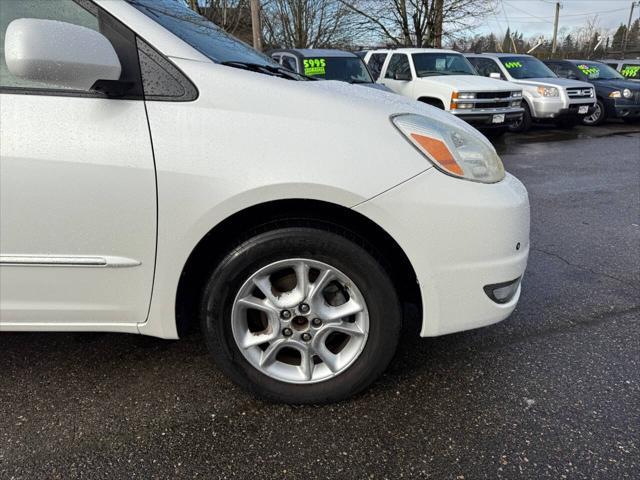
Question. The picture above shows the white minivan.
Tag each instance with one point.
(158, 173)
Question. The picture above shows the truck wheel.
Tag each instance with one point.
(523, 125)
(301, 315)
(598, 116)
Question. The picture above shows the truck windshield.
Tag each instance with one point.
(598, 71)
(526, 67)
(433, 64)
(344, 69)
(203, 35)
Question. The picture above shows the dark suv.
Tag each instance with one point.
(326, 64)
(617, 96)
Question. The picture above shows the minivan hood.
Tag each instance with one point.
(556, 82)
(471, 83)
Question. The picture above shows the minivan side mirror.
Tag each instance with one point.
(60, 54)
(404, 76)
(495, 75)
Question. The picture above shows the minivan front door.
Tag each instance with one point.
(77, 194)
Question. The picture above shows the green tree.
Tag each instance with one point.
(506, 42)
(568, 44)
(634, 35)
(618, 38)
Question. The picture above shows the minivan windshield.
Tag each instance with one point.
(206, 36)
(344, 69)
(526, 67)
(598, 71)
(433, 64)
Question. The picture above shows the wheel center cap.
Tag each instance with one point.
(300, 323)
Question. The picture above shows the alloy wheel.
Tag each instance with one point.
(300, 321)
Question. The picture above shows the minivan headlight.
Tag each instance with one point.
(455, 150)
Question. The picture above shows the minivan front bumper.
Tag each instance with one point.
(464, 240)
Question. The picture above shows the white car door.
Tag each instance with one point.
(398, 75)
(77, 191)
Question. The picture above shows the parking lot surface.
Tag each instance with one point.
(552, 392)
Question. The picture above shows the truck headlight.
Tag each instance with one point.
(548, 91)
(465, 95)
(456, 150)
(516, 103)
(615, 94)
(626, 93)
(516, 94)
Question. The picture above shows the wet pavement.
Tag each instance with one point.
(552, 392)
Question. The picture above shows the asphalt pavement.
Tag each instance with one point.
(552, 392)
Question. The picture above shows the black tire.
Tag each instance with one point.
(316, 244)
(596, 118)
(523, 125)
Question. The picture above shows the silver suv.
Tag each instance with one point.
(545, 96)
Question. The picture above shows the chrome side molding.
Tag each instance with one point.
(67, 261)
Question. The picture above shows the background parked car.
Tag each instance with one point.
(630, 69)
(617, 97)
(327, 65)
(546, 97)
(445, 79)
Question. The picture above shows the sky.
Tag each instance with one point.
(535, 17)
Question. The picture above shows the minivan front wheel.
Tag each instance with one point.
(301, 315)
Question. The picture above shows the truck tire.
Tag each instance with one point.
(523, 125)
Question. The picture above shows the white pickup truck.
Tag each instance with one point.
(446, 79)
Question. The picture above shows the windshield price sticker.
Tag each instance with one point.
(630, 71)
(513, 65)
(589, 71)
(315, 66)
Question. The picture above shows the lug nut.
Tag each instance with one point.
(316, 322)
(304, 308)
(285, 314)
(287, 332)
(305, 336)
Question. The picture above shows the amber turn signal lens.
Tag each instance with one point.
(439, 152)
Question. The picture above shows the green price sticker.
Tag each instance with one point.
(589, 71)
(315, 66)
(513, 65)
(630, 71)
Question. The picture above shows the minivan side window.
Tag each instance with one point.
(375, 63)
(399, 63)
(485, 66)
(61, 10)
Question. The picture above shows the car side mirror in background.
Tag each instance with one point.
(495, 75)
(404, 76)
(61, 54)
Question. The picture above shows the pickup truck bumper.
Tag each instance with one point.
(485, 119)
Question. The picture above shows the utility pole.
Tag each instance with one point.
(439, 6)
(626, 34)
(255, 25)
(555, 30)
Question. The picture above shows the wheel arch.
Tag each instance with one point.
(433, 101)
(272, 214)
